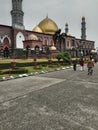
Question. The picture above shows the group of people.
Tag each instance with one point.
(90, 65)
(81, 62)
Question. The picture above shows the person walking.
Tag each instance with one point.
(81, 62)
(75, 64)
(90, 66)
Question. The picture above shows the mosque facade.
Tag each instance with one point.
(15, 40)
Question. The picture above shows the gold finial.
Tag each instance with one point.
(47, 15)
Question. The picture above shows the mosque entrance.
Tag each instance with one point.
(6, 52)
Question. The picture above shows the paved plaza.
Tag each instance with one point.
(59, 100)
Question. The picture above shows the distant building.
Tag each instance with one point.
(15, 40)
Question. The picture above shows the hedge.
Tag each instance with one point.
(25, 64)
(16, 71)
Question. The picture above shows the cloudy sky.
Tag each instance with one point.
(60, 11)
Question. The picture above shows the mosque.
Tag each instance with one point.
(15, 40)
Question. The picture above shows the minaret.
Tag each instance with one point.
(17, 14)
(66, 28)
(83, 29)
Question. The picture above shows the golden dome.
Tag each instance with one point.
(37, 29)
(48, 26)
(52, 48)
(32, 37)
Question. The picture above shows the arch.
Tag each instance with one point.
(51, 42)
(37, 49)
(6, 40)
(19, 40)
(45, 41)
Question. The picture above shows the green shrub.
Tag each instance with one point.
(40, 66)
(59, 56)
(16, 71)
(65, 56)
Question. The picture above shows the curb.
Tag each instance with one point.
(33, 73)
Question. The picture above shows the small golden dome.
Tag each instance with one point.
(93, 51)
(68, 34)
(52, 48)
(32, 37)
(48, 26)
(37, 29)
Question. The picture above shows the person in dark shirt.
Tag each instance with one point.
(75, 64)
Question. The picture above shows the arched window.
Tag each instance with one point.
(6, 42)
(51, 42)
(19, 40)
(45, 42)
(37, 49)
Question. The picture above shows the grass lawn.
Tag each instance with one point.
(27, 69)
(22, 60)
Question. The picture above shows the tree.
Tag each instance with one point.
(56, 36)
(65, 56)
(59, 56)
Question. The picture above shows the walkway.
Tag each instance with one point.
(60, 100)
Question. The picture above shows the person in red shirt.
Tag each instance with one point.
(81, 64)
(90, 66)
